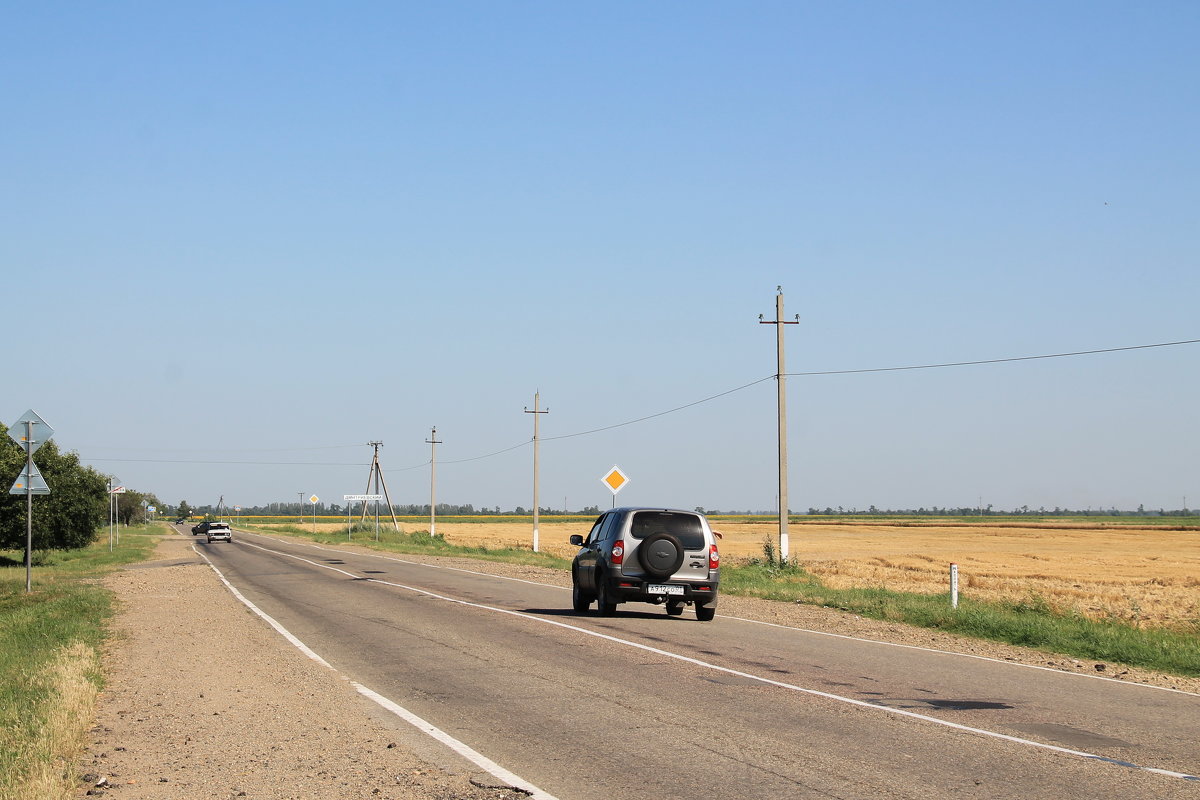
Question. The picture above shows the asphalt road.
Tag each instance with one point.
(644, 705)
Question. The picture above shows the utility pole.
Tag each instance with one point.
(301, 508)
(433, 442)
(781, 401)
(377, 473)
(536, 413)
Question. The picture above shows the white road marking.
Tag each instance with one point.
(729, 671)
(968, 655)
(463, 749)
(847, 637)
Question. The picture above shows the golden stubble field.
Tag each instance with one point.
(1146, 576)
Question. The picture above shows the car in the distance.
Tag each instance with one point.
(647, 555)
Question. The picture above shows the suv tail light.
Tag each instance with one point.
(714, 558)
(618, 554)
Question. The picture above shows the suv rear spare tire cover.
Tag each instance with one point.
(660, 554)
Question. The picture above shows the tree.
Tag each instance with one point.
(185, 510)
(66, 518)
(131, 507)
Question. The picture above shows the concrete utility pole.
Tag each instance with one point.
(433, 442)
(536, 413)
(301, 508)
(781, 400)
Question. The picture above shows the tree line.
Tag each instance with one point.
(76, 507)
(184, 509)
(989, 510)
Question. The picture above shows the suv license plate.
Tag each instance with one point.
(658, 588)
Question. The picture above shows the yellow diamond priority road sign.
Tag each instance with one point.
(615, 480)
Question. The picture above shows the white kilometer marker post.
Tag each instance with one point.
(954, 585)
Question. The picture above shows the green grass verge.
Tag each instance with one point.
(67, 607)
(1030, 623)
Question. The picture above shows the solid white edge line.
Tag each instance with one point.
(760, 622)
(729, 671)
(282, 631)
(968, 655)
(461, 748)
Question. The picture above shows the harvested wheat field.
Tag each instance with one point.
(1146, 576)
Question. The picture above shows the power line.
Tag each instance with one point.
(489, 455)
(660, 413)
(830, 372)
(993, 360)
(252, 463)
(232, 449)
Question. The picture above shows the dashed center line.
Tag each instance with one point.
(729, 671)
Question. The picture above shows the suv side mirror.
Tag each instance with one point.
(577, 540)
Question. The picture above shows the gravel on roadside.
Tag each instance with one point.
(203, 699)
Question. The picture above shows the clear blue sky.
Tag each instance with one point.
(271, 232)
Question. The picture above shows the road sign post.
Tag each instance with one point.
(114, 518)
(29, 508)
(362, 498)
(31, 431)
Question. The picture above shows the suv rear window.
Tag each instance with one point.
(684, 527)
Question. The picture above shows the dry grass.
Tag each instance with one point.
(1146, 576)
(49, 756)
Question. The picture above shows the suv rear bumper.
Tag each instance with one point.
(625, 589)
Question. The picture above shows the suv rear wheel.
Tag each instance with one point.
(604, 603)
(705, 613)
(580, 600)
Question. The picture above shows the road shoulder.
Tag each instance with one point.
(203, 699)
